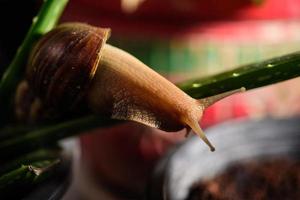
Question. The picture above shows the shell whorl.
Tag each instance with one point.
(63, 63)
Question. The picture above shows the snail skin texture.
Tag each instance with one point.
(73, 65)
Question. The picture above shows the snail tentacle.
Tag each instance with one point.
(208, 101)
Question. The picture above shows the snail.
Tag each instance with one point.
(72, 65)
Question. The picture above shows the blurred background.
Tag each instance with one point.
(181, 39)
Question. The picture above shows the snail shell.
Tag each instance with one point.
(63, 64)
(72, 65)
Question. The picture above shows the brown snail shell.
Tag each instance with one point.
(72, 64)
(63, 64)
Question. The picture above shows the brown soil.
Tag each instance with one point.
(254, 180)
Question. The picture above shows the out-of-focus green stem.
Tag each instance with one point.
(26, 176)
(26, 159)
(49, 135)
(46, 19)
(15, 130)
(249, 76)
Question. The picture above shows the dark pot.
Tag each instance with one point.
(234, 141)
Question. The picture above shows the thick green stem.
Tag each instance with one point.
(45, 20)
(49, 135)
(249, 76)
(14, 130)
(15, 182)
(26, 159)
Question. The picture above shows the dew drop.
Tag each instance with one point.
(235, 74)
(196, 85)
(34, 20)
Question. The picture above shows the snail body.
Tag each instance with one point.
(73, 65)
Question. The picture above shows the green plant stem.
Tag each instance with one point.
(46, 19)
(14, 131)
(48, 135)
(249, 76)
(26, 176)
(40, 154)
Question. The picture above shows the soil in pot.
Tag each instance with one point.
(268, 179)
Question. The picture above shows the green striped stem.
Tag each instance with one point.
(49, 135)
(249, 76)
(19, 180)
(40, 154)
